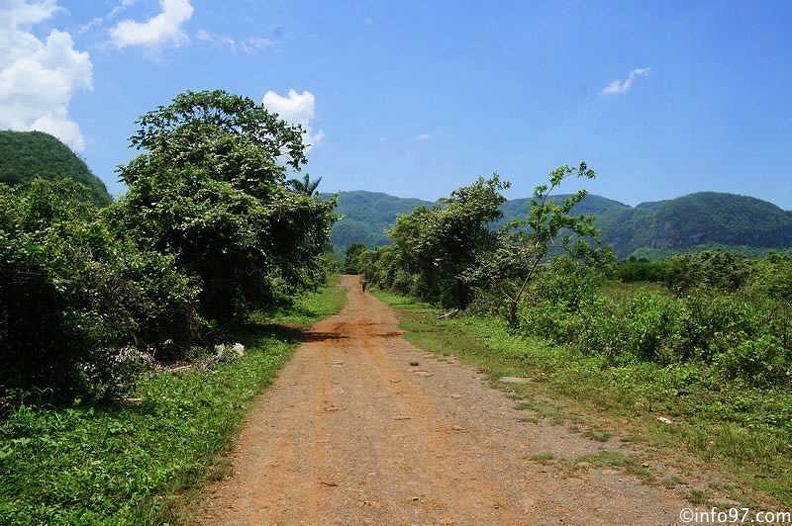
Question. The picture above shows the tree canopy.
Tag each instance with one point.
(210, 187)
(209, 230)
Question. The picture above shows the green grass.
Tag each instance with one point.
(743, 431)
(133, 464)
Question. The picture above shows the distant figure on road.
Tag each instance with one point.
(363, 284)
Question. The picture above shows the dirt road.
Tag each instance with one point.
(352, 433)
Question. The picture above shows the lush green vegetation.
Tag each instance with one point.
(28, 155)
(657, 254)
(210, 230)
(720, 311)
(650, 230)
(743, 429)
(131, 463)
(212, 243)
(445, 252)
(75, 296)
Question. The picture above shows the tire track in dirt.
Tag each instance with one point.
(350, 433)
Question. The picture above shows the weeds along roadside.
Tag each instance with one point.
(739, 429)
(141, 464)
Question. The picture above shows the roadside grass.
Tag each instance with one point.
(115, 463)
(744, 432)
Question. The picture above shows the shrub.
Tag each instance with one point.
(649, 320)
(568, 282)
(634, 270)
(710, 269)
(73, 294)
(773, 277)
(760, 362)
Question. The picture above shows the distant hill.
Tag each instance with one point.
(590, 205)
(662, 227)
(366, 215)
(26, 155)
(704, 218)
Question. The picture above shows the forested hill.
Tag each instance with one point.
(26, 155)
(703, 218)
(700, 219)
(366, 216)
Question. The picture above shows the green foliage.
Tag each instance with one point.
(772, 276)
(439, 244)
(718, 269)
(128, 464)
(209, 230)
(444, 252)
(641, 270)
(27, 155)
(526, 243)
(761, 362)
(73, 294)
(210, 188)
(745, 336)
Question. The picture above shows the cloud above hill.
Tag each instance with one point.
(39, 77)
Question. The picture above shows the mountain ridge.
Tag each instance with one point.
(696, 219)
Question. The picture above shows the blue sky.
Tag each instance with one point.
(416, 98)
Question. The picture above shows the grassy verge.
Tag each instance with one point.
(130, 464)
(744, 433)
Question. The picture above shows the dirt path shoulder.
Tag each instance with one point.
(361, 427)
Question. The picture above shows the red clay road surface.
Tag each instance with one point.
(351, 433)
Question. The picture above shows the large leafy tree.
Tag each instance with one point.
(549, 228)
(210, 187)
(441, 243)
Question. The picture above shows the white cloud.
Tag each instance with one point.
(166, 27)
(24, 13)
(38, 78)
(423, 137)
(99, 20)
(621, 86)
(246, 45)
(295, 108)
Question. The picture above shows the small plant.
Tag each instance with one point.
(599, 436)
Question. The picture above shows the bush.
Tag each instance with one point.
(710, 323)
(567, 282)
(761, 362)
(626, 330)
(710, 269)
(773, 277)
(635, 270)
(73, 294)
(744, 337)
